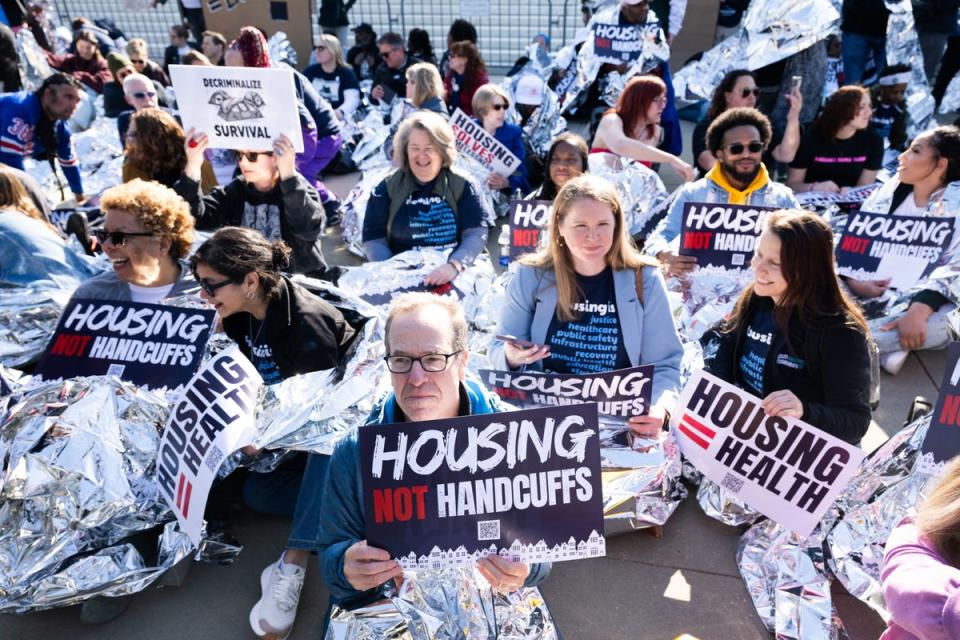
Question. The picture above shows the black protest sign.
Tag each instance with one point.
(528, 218)
(721, 235)
(525, 484)
(616, 43)
(385, 297)
(621, 393)
(902, 248)
(943, 436)
(147, 344)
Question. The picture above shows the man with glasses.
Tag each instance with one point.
(737, 138)
(426, 345)
(139, 55)
(390, 79)
(140, 92)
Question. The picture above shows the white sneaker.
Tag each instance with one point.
(893, 361)
(273, 615)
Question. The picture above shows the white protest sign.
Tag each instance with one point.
(238, 107)
(473, 141)
(784, 468)
(213, 418)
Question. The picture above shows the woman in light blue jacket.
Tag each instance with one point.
(590, 302)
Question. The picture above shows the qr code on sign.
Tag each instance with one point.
(737, 260)
(116, 370)
(488, 530)
(732, 483)
(214, 458)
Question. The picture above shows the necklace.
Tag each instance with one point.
(255, 338)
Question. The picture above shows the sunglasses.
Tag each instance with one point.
(498, 107)
(117, 238)
(385, 54)
(737, 147)
(140, 95)
(746, 92)
(210, 288)
(251, 156)
(136, 61)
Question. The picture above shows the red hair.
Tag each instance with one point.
(633, 104)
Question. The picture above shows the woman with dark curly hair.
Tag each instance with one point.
(840, 150)
(466, 73)
(153, 150)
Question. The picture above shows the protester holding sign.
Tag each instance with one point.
(147, 232)
(794, 339)
(269, 196)
(589, 302)
(426, 344)
(921, 567)
(566, 159)
(840, 150)
(737, 139)
(284, 330)
(154, 150)
(490, 104)
(632, 127)
(425, 203)
(927, 184)
(738, 88)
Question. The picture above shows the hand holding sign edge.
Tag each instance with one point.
(367, 567)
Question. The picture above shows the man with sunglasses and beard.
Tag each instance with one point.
(268, 195)
(737, 138)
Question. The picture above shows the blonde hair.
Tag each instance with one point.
(333, 44)
(428, 82)
(436, 128)
(416, 300)
(158, 208)
(623, 254)
(137, 45)
(939, 516)
(483, 98)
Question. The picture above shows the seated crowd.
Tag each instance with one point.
(591, 298)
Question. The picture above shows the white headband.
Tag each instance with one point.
(896, 78)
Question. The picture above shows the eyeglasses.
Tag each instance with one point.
(137, 61)
(498, 107)
(117, 238)
(662, 100)
(746, 92)
(386, 54)
(431, 362)
(140, 95)
(251, 156)
(210, 288)
(737, 147)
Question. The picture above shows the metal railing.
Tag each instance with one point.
(134, 17)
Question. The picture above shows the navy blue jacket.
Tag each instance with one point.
(511, 136)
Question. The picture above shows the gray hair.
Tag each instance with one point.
(416, 300)
(437, 129)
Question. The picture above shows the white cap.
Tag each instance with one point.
(529, 90)
(631, 1)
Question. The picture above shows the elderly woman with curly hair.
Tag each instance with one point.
(153, 150)
(147, 232)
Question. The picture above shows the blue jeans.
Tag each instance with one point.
(855, 48)
(295, 488)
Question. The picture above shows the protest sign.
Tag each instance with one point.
(238, 107)
(616, 43)
(784, 468)
(153, 345)
(622, 393)
(473, 141)
(528, 218)
(721, 235)
(846, 201)
(214, 417)
(902, 248)
(942, 441)
(524, 484)
(384, 297)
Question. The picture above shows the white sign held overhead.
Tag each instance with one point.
(238, 107)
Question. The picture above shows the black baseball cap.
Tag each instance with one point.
(364, 27)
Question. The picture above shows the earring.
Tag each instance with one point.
(559, 241)
(249, 295)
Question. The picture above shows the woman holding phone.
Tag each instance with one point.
(589, 302)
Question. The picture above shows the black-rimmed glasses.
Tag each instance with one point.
(117, 238)
(210, 288)
(431, 362)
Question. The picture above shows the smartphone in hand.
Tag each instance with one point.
(517, 342)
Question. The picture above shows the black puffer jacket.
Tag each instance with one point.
(828, 369)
